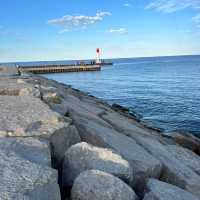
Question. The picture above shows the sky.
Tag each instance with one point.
(34, 30)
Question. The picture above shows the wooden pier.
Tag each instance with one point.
(46, 69)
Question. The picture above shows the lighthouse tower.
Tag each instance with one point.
(98, 59)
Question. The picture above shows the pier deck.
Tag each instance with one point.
(58, 68)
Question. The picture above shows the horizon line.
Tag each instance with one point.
(56, 60)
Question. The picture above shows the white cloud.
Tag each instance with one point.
(169, 6)
(127, 5)
(70, 22)
(118, 30)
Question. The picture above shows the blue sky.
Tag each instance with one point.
(73, 29)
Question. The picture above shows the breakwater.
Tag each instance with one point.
(58, 68)
(58, 142)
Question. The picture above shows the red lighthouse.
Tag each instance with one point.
(98, 59)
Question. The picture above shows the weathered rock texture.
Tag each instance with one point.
(185, 156)
(24, 169)
(157, 190)
(98, 185)
(32, 149)
(14, 86)
(27, 116)
(82, 157)
(187, 141)
(61, 140)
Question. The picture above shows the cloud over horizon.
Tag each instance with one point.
(71, 22)
(169, 6)
(118, 30)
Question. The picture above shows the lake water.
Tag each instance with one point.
(165, 91)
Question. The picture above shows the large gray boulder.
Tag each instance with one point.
(187, 140)
(15, 86)
(32, 149)
(98, 185)
(26, 116)
(23, 173)
(185, 156)
(60, 141)
(143, 164)
(83, 156)
(157, 190)
(125, 124)
(175, 171)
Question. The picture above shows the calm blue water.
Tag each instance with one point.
(165, 91)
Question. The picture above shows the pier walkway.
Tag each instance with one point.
(58, 68)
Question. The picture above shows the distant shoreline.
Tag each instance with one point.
(74, 60)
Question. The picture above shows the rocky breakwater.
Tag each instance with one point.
(57, 142)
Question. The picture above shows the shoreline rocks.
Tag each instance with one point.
(188, 141)
(157, 190)
(50, 132)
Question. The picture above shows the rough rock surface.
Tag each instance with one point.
(49, 95)
(22, 173)
(188, 141)
(185, 156)
(157, 190)
(98, 185)
(27, 116)
(32, 149)
(17, 87)
(60, 141)
(123, 124)
(83, 156)
(174, 171)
